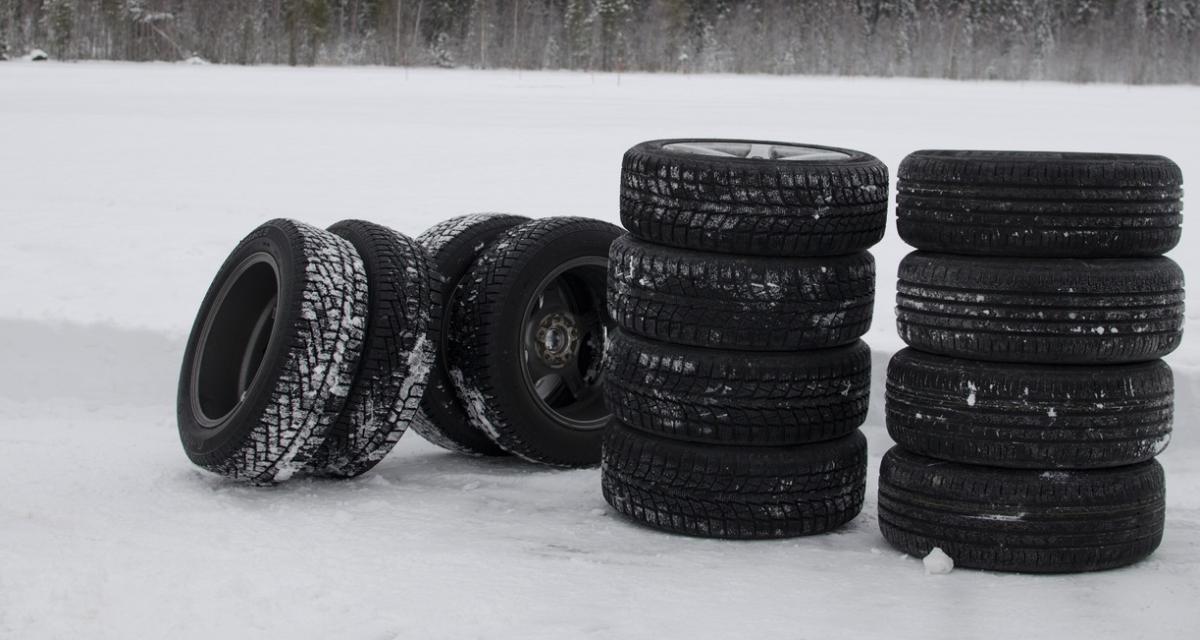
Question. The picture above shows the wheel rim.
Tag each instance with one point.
(234, 339)
(564, 330)
(756, 151)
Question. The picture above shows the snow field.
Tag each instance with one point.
(123, 187)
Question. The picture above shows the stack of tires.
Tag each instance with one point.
(1031, 402)
(736, 376)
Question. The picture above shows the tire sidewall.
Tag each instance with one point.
(205, 445)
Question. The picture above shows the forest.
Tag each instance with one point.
(1120, 41)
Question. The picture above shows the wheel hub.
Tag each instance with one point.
(557, 340)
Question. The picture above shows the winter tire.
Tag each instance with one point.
(1029, 416)
(1039, 204)
(734, 492)
(527, 340)
(736, 397)
(397, 352)
(1053, 311)
(1019, 520)
(737, 302)
(754, 197)
(453, 246)
(272, 353)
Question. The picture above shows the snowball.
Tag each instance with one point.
(938, 563)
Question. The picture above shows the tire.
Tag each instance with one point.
(453, 246)
(1053, 311)
(1029, 416)
(489, 353)
(1025, 521)
(1040, 204)
(753, 206)
(272, 354)
(397, 354)
(734, 492)
(737, 398)
(737, 302)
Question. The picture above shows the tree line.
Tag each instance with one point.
(1127, 41)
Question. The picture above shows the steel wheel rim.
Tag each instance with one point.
(561, 370)
(756, 151)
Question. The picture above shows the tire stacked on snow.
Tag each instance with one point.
(309, 353)
(736, 376)
(1031, 403)
(521, 334)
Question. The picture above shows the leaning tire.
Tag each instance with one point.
(453, 246)
(272, 353)
(708, 195)
(739, 302)
(1039, 204)
(1053, 311)
(734, 397)
(734, 492)
(1021, 520)
(397, 354)
(1029, 416)
(544, 276)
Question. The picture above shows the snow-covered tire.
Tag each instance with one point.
(718, 491)
(1051, 311)
(272, 354)
(737, 397)
(833, 203)
(1039, 204)
(397, 352)
(740, 302)
(493, 339)
(453, 246)
(1029, 416)
(1019, 520)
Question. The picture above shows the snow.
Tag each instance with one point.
(937, 563)
(124, 187)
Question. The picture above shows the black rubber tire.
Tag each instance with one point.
(737, 302)
(1020, 520)
(297, 385)
(1052, 311)
(397, 353)
(485, 347)
(1040, 204)
(453, 246)
(1029, 416)
(737, 397)
(718, 491)
(754, 206)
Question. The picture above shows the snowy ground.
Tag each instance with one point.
(123, 186)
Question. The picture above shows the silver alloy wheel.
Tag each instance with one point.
(755, 151)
